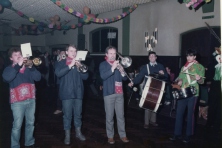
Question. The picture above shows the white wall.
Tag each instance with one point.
(34, 40)
(171, 18)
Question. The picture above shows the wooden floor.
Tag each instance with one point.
(49, 131)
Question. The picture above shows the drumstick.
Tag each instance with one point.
(193, 74)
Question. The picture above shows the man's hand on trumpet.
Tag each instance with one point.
(29, 64)
(72, 63)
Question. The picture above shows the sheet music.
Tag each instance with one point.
(26, 50)
(81, 55)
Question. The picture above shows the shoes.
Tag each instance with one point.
(125, 139)
(111, 141)
(146, 126)
(186, 139)
(153, 123)
(174, 138)
(167, 103)
(79, 134)
(57, 112)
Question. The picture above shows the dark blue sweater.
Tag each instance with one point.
(71, 84)
(15, 78)
(109, 78)
(153, 69)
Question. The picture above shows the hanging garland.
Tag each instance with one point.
(194, 3)
(42, 25)
(87, 18)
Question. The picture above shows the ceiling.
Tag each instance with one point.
(42, 10)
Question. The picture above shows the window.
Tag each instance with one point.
(103, 37)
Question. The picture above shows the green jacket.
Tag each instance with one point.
(189, 80)
(217, 76)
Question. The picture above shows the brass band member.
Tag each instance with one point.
(113, 94)
(191, 74)
(151, 68)
(22, 96)
(71, 92)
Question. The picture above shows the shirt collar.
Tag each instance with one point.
(153, 64)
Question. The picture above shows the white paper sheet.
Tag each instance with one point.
(26, 50)
(81, 55)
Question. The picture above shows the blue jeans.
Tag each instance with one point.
(72, 106)
(20, 110)
(190, 103)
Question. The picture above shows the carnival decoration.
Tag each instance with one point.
(87, 11)
(195, 3)
(151, 40)
(4, 4)
(55, 21)
(88, 18)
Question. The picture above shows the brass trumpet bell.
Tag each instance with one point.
(35, 61)
(125, 61)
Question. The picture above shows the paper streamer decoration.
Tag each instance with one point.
(87, 18)
(195, 3)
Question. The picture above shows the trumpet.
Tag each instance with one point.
(35, 61)
(63, 56)
(81, 67)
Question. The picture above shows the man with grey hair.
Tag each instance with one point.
(112, 74)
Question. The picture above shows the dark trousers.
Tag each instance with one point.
(190, 103)
(168, 95)
(58, 101)
(214, 110)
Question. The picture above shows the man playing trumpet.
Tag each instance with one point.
(22, 96)
(71, 91)
(112, 74)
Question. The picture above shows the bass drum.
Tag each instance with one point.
(152, 94)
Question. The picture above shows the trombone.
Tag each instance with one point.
(125, 62)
